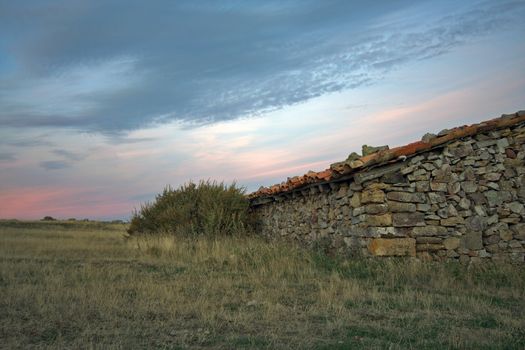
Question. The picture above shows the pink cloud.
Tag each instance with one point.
(37, 202)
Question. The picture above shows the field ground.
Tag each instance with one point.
(83, 285)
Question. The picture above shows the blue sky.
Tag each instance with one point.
(102, 103)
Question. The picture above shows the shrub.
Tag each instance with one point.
(206, 208)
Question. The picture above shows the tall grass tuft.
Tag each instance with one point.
(208, 208)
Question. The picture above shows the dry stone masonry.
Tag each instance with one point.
(456, 195)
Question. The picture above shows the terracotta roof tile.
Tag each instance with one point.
(389, 155)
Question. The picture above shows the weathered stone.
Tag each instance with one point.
(367, 150)
(484, 254)
(394, 178)
(393, 247)
(478, 198)
(376, 208)
(382, 231)
(453, 188)
(505, 234)
(417, 159)
(442, 213)
(343, 191)
(510, 153)
(423, 207)
(469, 186)
(496, 198)
(452, 210)
(430, 231)
(516, 207)
(401, 207)
(492, 219)
(379, 220)
(372, 174)
(433, 240)
(436, 197)
(354, 164)
(359, 211)
(408, 219)
(428, 166)
(472, 240)
(452, 221)
(422, 186)
(428, 247)
(502, 143)
(480, 210)
(515, 245)
(493, 176)
(492, 239)
(428, 137)
(408, 169)
(462, 150)
(406, 197)
(356, 200)
(372, 196)
(464, 203)
(438, 186)
(476, 223)
(451, 243)
(519, 231)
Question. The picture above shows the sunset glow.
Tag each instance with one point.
(92, 125)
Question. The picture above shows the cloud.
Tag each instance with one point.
(201, 64)
(7, 157)
(34, 142)
(68, 155)
(54, 164)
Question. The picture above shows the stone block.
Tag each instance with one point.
(355, 202)
(519, 231)
(393, 247)
(505, 234)
(372, 196)
(394, 178)
(453, 188)
(422, 186)
(376, 208)
(433, 240)
(452, 221)
(438, 186)
(423, 207)
(378, 220)
(451, 243)
(401, 207)
(430, 231)
(516, 207)
(429, 247)
(472, 240)
(437, 197)
(408, 219)
(406, 197)
(382, 231)
(469, 186)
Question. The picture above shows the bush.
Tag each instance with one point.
(206, 208)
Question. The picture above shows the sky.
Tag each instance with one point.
(104, 103)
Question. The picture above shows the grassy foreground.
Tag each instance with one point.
(85, 286)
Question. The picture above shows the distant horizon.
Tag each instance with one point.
(104, 104)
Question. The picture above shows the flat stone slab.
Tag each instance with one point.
(393, 247)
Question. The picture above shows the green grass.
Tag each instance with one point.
(71, 285)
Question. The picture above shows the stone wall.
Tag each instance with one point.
(463, 200)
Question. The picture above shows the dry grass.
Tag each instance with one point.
(67, 287)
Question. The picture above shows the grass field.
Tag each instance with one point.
(83, 285)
